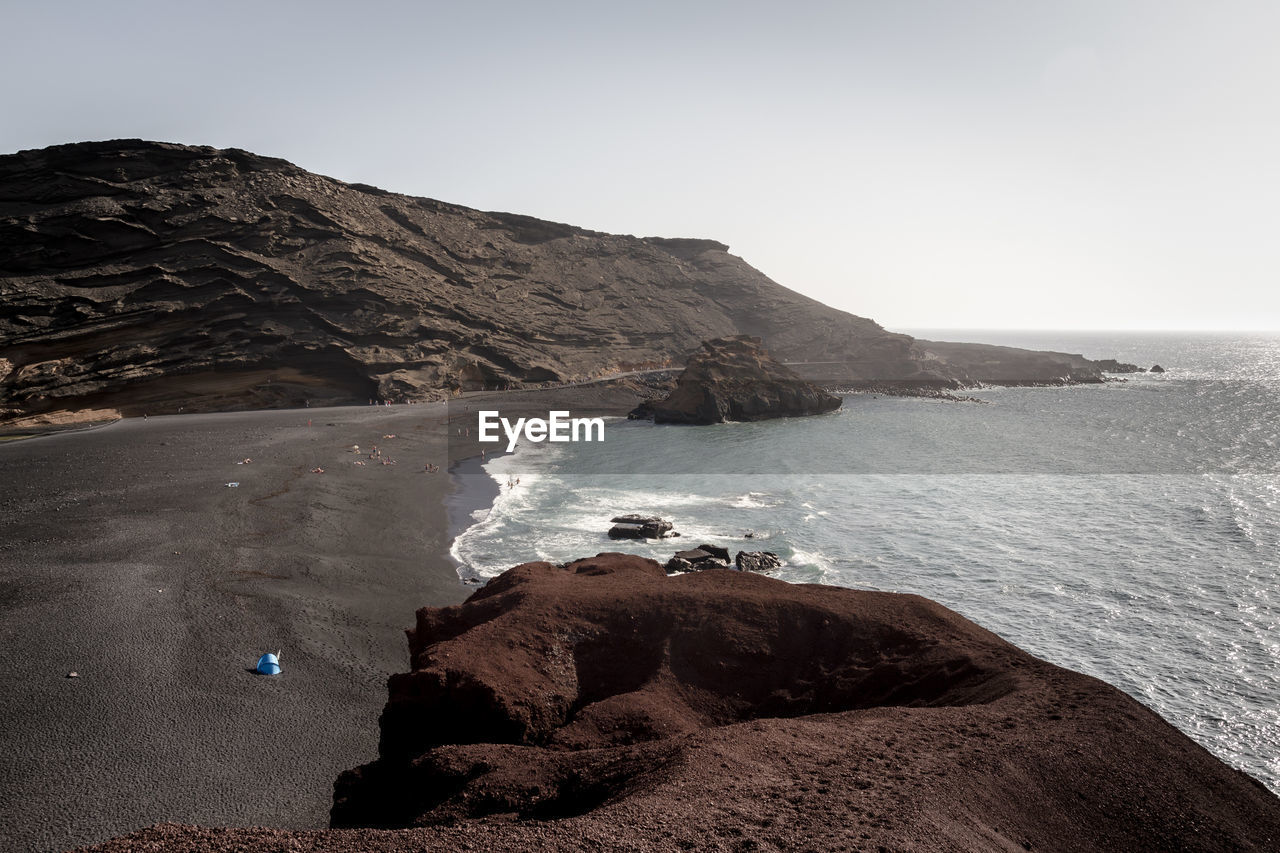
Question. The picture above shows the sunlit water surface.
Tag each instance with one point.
(1130, 531)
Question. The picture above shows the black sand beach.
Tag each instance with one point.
(125, 557)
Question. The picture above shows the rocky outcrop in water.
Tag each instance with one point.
(736, 379)
(144, 276)
(757, 561)
(640, 527)
(697, 559)
(725, 707)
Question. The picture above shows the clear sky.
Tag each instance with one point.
(948, 164)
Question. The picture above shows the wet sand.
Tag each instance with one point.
(126, 558)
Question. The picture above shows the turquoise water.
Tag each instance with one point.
(1130, 531)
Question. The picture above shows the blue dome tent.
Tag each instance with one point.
(269, 664)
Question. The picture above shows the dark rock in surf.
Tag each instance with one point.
(697, 559)
(716, 551)
(1155, 368)
(757, 561)
(640, 527)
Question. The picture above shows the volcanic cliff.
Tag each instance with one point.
(142, 275)
(724, 702)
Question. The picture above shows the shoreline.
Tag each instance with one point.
(127, 558)
(472, 490)
(372, 581)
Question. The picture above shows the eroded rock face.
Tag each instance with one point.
(141, 274)
(588, 701)
(736, 379)
(145, 276)
(611, 696)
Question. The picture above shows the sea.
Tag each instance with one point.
(1129, 530)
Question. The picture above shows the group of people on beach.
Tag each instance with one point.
(375, 455)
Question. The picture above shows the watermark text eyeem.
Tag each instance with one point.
(558, 427)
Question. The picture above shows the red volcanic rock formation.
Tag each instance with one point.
(735, 379)
(725, 710)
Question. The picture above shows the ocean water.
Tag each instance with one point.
(1130, 531)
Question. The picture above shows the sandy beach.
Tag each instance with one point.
(127, 558)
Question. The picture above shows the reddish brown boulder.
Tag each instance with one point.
(728, 710)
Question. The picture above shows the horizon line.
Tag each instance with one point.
(887, 327)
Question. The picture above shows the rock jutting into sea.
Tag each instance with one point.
(678, 712)
(736, 379)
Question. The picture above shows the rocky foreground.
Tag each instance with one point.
(605, 703)
(143, 277)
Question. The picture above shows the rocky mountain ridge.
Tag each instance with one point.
(147, 276)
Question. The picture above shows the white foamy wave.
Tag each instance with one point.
(751, 500)
(808, 559)
(643, 501)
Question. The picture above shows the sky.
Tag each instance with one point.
(929, 164)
